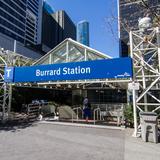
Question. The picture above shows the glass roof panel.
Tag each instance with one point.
(76, 52)
(43, 61)
(93, 56)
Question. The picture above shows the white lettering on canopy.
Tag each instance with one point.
(76, 70)
(65, 71)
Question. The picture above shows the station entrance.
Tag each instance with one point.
(64, 98)
(145, 51)
(67, 104)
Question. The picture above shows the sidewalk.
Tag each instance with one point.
(81, 125)
(136, 149)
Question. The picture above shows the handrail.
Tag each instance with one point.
(96, 110)
(77, 112)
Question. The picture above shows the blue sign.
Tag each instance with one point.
(97, 69)
(9, 74)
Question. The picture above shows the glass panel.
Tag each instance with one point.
(44, 61)
(93, 56)
(72, 48)
(59, 55)
(61, 50)
(58, 60)
(75, 53)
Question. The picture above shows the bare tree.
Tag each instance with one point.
(125, 23)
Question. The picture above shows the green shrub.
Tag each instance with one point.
(128, 114)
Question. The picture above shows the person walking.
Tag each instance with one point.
(86, 109)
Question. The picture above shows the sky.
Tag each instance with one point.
(101, 15)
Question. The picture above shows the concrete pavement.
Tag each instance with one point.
(136, 149)
(48, 141)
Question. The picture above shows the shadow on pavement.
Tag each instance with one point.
(159, 135)
(16, 126)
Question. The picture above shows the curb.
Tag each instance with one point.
(81, 125)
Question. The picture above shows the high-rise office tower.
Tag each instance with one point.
(33, 21)
(47, 8)
(65, 28)
(20, 20)
(56, 27)
(48, 28)
(34, 26)
(83, 32)
(130, 11)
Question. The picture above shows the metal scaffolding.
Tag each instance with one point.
(145, 52)
(8, 58)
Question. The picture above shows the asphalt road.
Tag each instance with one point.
(53, 142)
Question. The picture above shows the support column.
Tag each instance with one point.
(10, 98)
(85, 54)
(133, 91)
(67, 51)
(4, 103)
(144, 85)
(158, 44)
(134, 112)
(143, 71)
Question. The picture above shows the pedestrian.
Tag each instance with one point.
(86, 109)
(85, 102)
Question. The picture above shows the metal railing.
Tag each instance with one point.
(76, 110)
(109, 110)
(97, 114)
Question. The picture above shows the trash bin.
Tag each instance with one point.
(149, 126)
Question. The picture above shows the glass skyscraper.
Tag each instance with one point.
(64, 28)
(83, 32)
(47, 8)
(21, 20)
(34, 25)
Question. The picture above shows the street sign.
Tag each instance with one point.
(133, 85)
(117, 68)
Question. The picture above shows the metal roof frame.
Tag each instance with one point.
(64, 52)
(68, 42)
